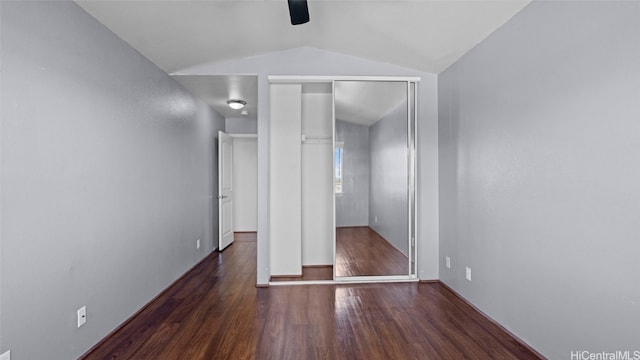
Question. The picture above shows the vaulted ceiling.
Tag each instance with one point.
(426, 35)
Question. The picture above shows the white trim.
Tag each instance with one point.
(330, 79)
(333, 170)
(1, 218)
(410, 183)
(386, 278)
(303, 282)
(348, 281)
(247, 136)
(416, 195)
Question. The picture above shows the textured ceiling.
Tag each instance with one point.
(424, 35)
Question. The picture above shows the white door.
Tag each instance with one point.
(225, 190)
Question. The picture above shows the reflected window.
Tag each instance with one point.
(338, 167)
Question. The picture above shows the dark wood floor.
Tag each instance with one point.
(216, 312)
(309, 273)
(360, 251)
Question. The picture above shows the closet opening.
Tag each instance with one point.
(343, 179)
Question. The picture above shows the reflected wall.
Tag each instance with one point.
(352, 205)
(388, 189)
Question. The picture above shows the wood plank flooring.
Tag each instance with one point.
(309, 273)
(216, 312)
(360, 251)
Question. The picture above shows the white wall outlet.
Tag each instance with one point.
(6, 355)
(375, 219)
(82, 316)
(447, 262)
(198, 244)
(468, 274)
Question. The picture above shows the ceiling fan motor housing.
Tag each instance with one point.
(298, 11)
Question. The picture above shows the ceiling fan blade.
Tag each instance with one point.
(298, 11)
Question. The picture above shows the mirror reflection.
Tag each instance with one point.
(372, 178)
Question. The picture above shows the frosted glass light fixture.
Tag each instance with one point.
(236, 104)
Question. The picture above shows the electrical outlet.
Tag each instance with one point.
(198, 244)
(375, 219)
(82, 316)
(468, 274)
(6, 355)
(447, 261)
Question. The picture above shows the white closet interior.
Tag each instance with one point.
(317, 184)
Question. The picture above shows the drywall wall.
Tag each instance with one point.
(539, 174)
(245, 184)
(241, 126)
(388, 191)
(107, 179)
(311, 61)
(317, 183)
(352, 206)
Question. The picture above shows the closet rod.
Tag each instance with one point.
(311, 137)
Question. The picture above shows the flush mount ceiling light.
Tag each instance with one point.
(236, 104)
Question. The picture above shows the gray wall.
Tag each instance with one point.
(312, 61)
(389, 173)
(1, 121)
(241, 126)
(539, 176)
(107, 176)
(352, 207)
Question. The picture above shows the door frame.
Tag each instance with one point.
(225, 195)
(414, 237)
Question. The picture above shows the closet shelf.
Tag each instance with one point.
(311, 139)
